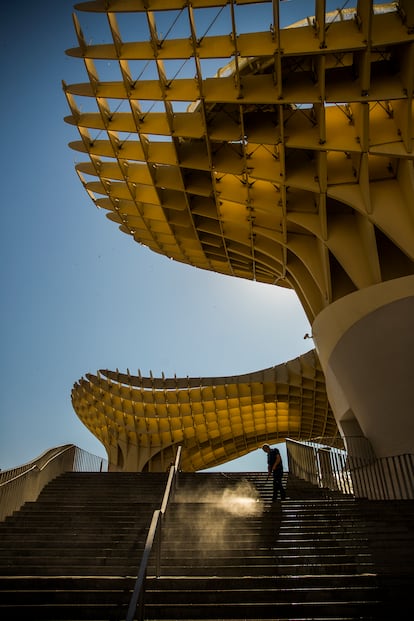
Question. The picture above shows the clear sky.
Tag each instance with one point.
(78, 295)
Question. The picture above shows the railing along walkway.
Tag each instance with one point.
(356, 471)
(24, 483)
(154, 537)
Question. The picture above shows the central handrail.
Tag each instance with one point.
(136, 602)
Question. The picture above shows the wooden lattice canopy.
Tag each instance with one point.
(214, 419)
(281, 155)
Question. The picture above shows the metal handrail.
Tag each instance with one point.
(136, 603)
(355, 471)
(24, 483)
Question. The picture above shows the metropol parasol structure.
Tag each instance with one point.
(291, 164)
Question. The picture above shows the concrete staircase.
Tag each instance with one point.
(249, 558)
(67, 555)
(228, 552)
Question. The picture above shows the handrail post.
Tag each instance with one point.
(158, 550)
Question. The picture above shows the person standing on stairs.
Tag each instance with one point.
(275, 468)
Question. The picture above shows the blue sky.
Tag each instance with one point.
(77, 294)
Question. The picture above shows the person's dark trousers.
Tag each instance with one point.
(277, 486)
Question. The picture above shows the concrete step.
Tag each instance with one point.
(188, 583)
(107, 610)
(105, 569)
(307, 557)
(90, 506)
(229, 567)
(100, 530)
(75, 517)
(40, 555)
(264, 610)
(74, 540)
(37, 565)
(191, 596)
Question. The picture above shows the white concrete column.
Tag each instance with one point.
(365, 342)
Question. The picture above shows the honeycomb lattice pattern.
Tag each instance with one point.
(214, 419)
(238, 145)
(281, 167)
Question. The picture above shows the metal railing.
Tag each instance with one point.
(384, 478)
(154, 538)
(321, 465)
(356, 471)
(24, 483)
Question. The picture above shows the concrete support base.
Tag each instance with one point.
(365, 343)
